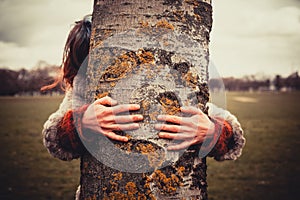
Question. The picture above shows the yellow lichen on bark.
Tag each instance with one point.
(191, 79)
(180, 171)
(170, 107)
(167, 185)
(113, 185)
(125, 63)
(145, 105)
(131, 188)
(126, 146)
(130, 193)
(164, 24)
(153, 115)
(145, 56)
(118, 176)
(144, 24)
(122, 65)
(155, 158)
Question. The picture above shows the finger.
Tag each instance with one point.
(106, 101)
(123, 127)
(119, 109)
(191, 110)
(173, 128)
(125, 108)
(128, 118)
(185, 144)
(174, 119)
(176, 136)
(116, 137)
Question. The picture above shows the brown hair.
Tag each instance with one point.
(76, 51)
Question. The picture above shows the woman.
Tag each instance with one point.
(62, 131)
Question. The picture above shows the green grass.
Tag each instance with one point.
(268, 168)
(27, 170)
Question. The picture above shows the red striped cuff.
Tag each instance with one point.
(223, 138)
(69, 128)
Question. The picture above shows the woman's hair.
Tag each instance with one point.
(75, 52)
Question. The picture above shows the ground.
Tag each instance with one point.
(268, 168)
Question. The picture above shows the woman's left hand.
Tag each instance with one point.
(190, 130)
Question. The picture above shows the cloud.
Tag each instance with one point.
(22, 21)
(282, 22)
(249, 37)
(234, 17)
(18, 20)
(34, 30)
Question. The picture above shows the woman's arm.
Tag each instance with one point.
(231, 139)
(54, 129)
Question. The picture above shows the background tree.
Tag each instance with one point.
(9, 85)
(278, 83)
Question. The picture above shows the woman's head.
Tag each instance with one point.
(75, 51)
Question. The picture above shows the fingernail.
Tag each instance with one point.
(137, 106)
(157, 126)
(159, 117)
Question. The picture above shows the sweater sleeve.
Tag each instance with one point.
(231, 140)
(57, 130)
(60, 132)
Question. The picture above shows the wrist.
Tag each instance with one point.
(212, 128)
(223, 135)
(80, 121)
(68, 132)
(213, 134)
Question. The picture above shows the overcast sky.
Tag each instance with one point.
(248, 37)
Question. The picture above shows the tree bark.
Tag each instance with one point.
(155, 53)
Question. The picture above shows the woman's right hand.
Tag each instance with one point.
(102, 117)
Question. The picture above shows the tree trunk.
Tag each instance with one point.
(155, 53)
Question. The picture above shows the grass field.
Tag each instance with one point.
(268, 168)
